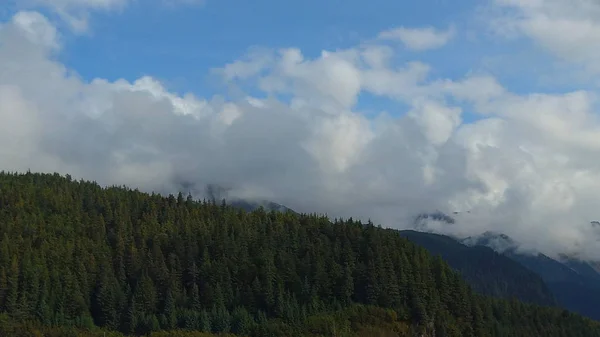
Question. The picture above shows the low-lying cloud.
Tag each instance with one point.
(527, 167)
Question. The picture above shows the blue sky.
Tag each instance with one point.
(179, 45)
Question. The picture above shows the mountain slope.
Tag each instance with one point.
(575, 284)
(583, 268)
(573, 290)
(485, 270)
(75, 255)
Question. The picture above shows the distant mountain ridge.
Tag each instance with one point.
(487, 271)
(574, 283)
(502, 243)
(497, 241)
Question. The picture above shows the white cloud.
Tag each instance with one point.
(419, 38)
(74, 12)
(255, 62)
(570, 29)
(333, 79)
(437, 121)
(37, 29)
(528, 167)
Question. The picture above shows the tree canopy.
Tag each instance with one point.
(76, 257)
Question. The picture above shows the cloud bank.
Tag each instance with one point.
(527, 166)
(569, 29)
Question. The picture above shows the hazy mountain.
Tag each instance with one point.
(487, 271)
(574, 283)
(496, 241)
(436, 216)
(585, 268)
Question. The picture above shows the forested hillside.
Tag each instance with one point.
(74, 255)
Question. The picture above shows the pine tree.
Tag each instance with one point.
(241, 321)
(12, 295)
(3, 289)
(106, 312)
(170, 316)
(205, 321)
(221, 320)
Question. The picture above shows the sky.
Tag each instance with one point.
(377, 111)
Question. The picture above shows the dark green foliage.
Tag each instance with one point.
(77, 256)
